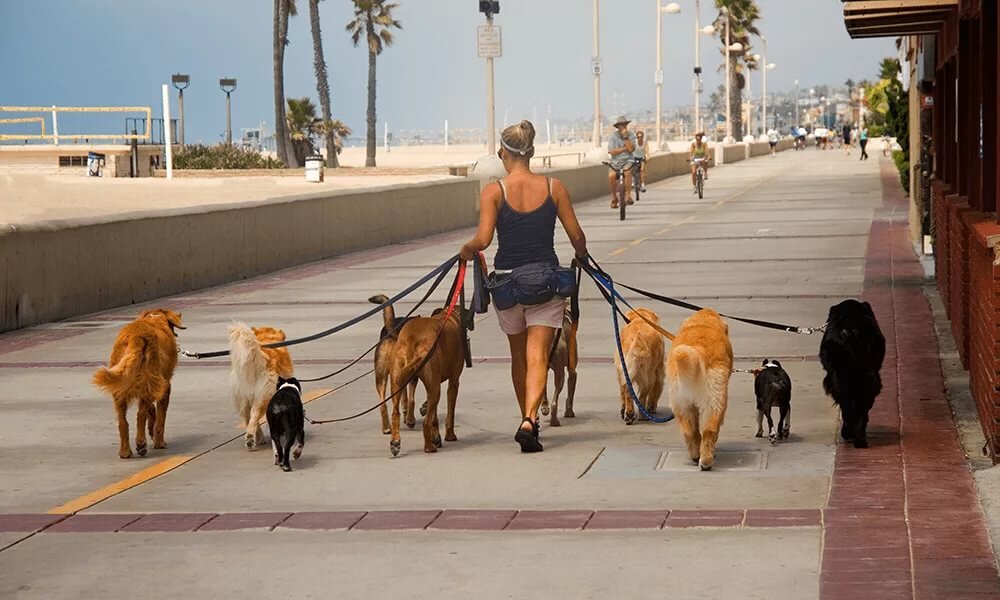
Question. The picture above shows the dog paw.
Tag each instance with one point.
(860, 443)
(760, 433)
(704, 465)
(629, 418)
(249, 441)
(161, 445)
(394, 448)
(554, 421)
(569, 414)
(436, 440)
(423, 409)
(450, 437)
(125, 453)
(773, 438)
(297, 452)
(286, 468)
(430, 449)
(545, 409)
(386, 431)
(411, 423)
(140, 448)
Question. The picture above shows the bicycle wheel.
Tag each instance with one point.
(701, 184)
(621, 198)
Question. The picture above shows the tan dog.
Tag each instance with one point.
(415, 341)
(253, 377)
(644, 349)
(142, 363)
(698, 368)
(384, 353)
(563, 358)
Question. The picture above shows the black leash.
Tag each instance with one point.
(392, 332)
(443, 267)
(695, 307)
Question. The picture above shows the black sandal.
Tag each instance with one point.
(528, 439)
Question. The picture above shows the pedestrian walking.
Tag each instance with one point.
(522, 209)
(863, 141)
(847, 138)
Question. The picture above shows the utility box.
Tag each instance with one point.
(314, 168)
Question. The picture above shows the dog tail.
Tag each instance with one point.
(388, 314)
(244, 348)
(119, 378)
(685, 367)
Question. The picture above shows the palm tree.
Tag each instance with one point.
(303, 127)
(282, 10)
(742, 16)
(373, 19)
(322, 83)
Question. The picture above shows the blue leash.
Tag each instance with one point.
(603, 279)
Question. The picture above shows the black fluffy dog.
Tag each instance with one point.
(773, 387)
(286, 422)
(852, 353)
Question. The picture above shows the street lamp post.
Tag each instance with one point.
(180, 82)
(595, 65)
(672, 9)
(796, 113)
(228, 85)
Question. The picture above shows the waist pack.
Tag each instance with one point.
(530, 284)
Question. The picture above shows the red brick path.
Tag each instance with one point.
(904, 520)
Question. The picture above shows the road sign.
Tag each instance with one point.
(595, 65)
(658, 77)
(489, 43)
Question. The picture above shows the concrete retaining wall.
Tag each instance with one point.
(57, 270)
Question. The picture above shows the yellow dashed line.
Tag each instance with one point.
(88, 500)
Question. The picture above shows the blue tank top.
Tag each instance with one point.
(526, 237)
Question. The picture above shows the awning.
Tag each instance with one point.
(893, 18)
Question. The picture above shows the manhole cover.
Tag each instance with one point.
(750, 460)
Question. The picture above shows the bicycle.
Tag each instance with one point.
(699, 176)
(620, 192)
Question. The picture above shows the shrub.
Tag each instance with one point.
(222, 156)
(876, 131)
(902, 160)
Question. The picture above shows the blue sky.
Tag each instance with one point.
(119, 52)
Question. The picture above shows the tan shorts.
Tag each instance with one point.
(518, 318)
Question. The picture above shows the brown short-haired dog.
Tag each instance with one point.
(563, 359)
(383, 365)
(699, 366)
(142, 363)
(643, 347)
(415, 341)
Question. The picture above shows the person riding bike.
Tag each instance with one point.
(699, 150)
(621, 145)
(640, 153)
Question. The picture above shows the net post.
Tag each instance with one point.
(166, 132)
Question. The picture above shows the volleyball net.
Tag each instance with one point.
(75, 123)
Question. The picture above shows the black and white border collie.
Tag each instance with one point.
(286, 422)
(773, 387)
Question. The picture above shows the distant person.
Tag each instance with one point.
(699, 150)
(772, 140)
(863, 141)
(522, 209)
(641, 152)
(847, 138)
(621, 145)
(886, 144)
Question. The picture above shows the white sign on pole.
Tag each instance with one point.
(488, 41)
(595, 66)
(658, 77)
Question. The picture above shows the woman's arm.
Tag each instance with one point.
(488, 202)
(567, 216)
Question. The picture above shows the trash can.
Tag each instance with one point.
(314, 168)
(95, 164)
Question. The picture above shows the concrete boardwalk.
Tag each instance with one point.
(779, 239)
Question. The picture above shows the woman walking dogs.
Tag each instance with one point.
(528, 287)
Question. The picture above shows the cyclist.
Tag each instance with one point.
(621, 145)
(699, 150)
(640, 153)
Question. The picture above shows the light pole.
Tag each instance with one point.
(180, 82)
(490, 8)
(796, 113)
(227, 85)
(671, 9)
(595, 66)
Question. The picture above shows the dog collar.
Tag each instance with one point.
(291, 385)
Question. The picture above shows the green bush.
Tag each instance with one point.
(222, 156)
(876, 131)
(902, 160)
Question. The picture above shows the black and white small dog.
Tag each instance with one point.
(286, 422)
(773, 387)
(852, 352)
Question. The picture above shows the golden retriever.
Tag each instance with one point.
(644, 350)
(254, 373)
(698, 367)
(142, 363)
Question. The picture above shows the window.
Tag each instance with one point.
(72, 161)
